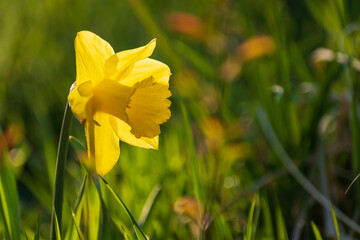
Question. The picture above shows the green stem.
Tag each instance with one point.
(60, 170)
(295, 172)
(104, 224)
(120, 201)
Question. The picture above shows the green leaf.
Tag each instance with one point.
(70, 234)
(196, 59)
(57, 228)
(148, 205)
(58, 195)
(81, 193)
(37, 233)
(104, 224)
(76, 145)
(336, 225)
(139, 233)
(355, 138)
(267, 220)
(252, 221)
(316, 231)
(280, 224)
(9, 202)
(122, 228)
(192, 155)
(76, 225)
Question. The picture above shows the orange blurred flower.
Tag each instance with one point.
(186, 24)
(256, 47)
(189, 207)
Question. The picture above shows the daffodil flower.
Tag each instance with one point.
(121, 96)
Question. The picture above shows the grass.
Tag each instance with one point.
(263, 134)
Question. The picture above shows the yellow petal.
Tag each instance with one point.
(78, 103)
(111, 97)
(121, 64)
(148, 108)
(104, 146)
(146, 68)
(91, 53)
(123, 131)
(85, 89)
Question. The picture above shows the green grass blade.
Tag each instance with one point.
(196, 59)
(223, 228)
(336, 225)
(355, 132)
(122, 228)
(57, 228)
(148, 205)
(192, 154)
(70, 234)
(146, 18)
(316, 231)
(104, 224)
(9, 202)
(37, 233)
(76, 145)
(249, 228)
(60, 170)
(81, 193)
(4, 214)
(280, 224)
(140, 234)
(267, 221)
(76, 225)
(296, 173)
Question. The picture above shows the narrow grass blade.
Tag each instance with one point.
(91, 212)
(70, 234)
(125, 231)
(316, 231)
(280, 224)
(148, 205)
(193, 158)
(37, 233)
(104, 221)
(76, 145)
(60, 170)
(355, 132)
(104, 224)
(4, 216)
(140, 234)
(57, 228)
(223, 228)
(353, 181)
(249, 228)
(9, 202)
(81, 237)
(255, 221)
(336, 225)
(295, 172)
(196, 59)
(146, 18)
(81, 193)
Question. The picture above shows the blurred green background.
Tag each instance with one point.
(242, 71)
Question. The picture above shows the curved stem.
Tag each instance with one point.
(60, 170)
(295, 172)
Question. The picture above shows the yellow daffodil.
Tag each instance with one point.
(121, 96)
